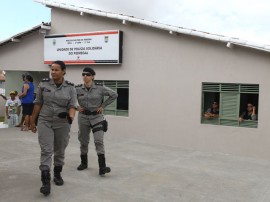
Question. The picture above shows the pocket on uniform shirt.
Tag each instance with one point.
(95, 99)
(63, 101)
(47, 96)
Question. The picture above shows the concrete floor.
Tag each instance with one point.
(3, 125)
(141, 172)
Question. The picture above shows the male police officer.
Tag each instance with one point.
(91, 106)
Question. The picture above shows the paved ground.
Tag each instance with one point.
(141, 172)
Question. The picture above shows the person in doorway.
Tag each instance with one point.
(249, 113)
(55, 105)
(27, 97)
(91, 106)
(213, 111)
(13, 109)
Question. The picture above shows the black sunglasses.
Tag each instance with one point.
(86, 74)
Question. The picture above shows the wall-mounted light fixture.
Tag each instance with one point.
(229, 45)
(173, 33)
(15, 40)
(125, 22)
(44, 29)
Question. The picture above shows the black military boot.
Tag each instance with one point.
(58, 180)
(46, 184)
(102, 165)
(84, 162)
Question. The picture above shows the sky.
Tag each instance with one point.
(232, 18)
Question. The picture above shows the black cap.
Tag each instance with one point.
(90, 70)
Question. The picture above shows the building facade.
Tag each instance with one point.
(166, 82)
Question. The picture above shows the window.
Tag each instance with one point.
(233, 100)
(120, 106)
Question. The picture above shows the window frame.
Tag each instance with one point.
(111, 109)
(229, 103)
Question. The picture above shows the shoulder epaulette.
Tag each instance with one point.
(69, 83)
(46, 79)
(79, 85)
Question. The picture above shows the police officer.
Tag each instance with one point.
(90, 98)
(55, 105)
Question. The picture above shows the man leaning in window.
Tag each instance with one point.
(213, 111)
(249, 113)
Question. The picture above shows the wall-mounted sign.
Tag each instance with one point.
(103, 47)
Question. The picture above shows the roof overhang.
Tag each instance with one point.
(42, 28)
(171, 29)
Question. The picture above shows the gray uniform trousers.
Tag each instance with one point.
(53, 138)
(85, 122)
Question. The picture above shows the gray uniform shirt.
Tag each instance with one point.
(92, 99)
(55, 100)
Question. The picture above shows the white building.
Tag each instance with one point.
(167, 78)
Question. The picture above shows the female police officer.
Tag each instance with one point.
(55, 108)
(91, 105)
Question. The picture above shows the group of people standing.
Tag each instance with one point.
(17, 101)
(54, 110)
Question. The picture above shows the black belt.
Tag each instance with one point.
(65, 115)
(87, 112)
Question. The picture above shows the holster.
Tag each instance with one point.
(65, 115)
(104, 126)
